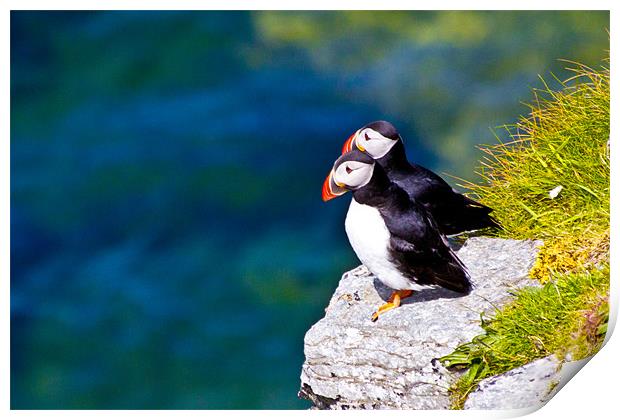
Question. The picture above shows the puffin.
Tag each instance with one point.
(454, 212)
(393, 236)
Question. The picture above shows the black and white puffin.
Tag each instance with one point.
(392, 235)
(453, 212)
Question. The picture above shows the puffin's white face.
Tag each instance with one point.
(352, 174)
(369, 141)
(351, 171)
(373, 143)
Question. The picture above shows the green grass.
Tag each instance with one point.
(562, 142)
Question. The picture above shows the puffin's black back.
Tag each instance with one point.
(453, 212)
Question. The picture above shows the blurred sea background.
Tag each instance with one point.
(169, 245)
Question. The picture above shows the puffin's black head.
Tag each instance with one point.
(351, 171)
(376, 139)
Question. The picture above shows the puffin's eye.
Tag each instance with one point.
(366, 136)
(349, 170)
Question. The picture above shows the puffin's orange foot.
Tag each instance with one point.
(393, 302)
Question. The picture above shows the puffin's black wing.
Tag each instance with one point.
(453, 211)
(421, 252)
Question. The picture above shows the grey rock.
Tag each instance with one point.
(526, 387)
(352, 362)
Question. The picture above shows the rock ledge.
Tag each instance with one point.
(352, 362)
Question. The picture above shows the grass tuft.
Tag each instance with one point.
(549, 180)
(566, 316)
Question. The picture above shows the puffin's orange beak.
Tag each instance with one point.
(330, 189)
(348, 145)
(327, 191)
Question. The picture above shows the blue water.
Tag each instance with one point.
(169, 247)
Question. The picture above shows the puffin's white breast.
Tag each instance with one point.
(370, 239)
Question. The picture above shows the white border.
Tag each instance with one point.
(591, 394)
